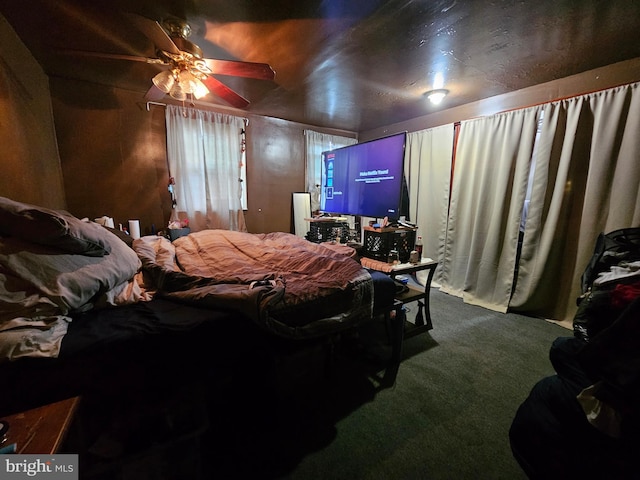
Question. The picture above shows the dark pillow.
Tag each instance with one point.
(128, 239)
(53, 228)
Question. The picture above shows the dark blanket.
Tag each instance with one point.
(112, 352)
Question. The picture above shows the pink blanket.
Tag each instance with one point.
(286, 284)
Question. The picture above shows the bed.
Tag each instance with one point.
(84, 309)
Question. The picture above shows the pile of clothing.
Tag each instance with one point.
(584, 421)
(610, 282)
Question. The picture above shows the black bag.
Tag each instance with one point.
(595, 311)
(612, 248)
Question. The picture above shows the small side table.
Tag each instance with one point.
(423, 321)
(42, 429)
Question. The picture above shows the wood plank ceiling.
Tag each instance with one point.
(353, 65)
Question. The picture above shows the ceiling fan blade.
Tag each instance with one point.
(261, 71)
(154, 94)
(221, 90)
(154, 31)
(112, 56)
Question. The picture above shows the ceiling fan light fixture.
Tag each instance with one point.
(185, 79)
(200, 89)
(177, 92)
(190, 83)
(165, 80)
(436, 96)
(174, 52)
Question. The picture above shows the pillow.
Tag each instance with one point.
(37, 280)
(52, 228)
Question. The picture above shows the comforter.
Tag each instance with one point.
(286, 284)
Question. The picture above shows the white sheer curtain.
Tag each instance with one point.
(491, 171)
(315, 144)
(204, 151)
(587, 181)
(428, 172)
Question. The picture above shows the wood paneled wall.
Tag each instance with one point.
(275, 169)
(29, 158)
(113, 155)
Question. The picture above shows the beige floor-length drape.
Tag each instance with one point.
(492, 164)
(587, 181)
(428, 172)
(204, 151)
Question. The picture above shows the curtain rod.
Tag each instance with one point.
(155, 103)
(245, 119)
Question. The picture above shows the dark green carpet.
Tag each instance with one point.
(446, 416)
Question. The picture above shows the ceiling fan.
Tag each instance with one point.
(189, 74)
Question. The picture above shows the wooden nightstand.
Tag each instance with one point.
(42, 429)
